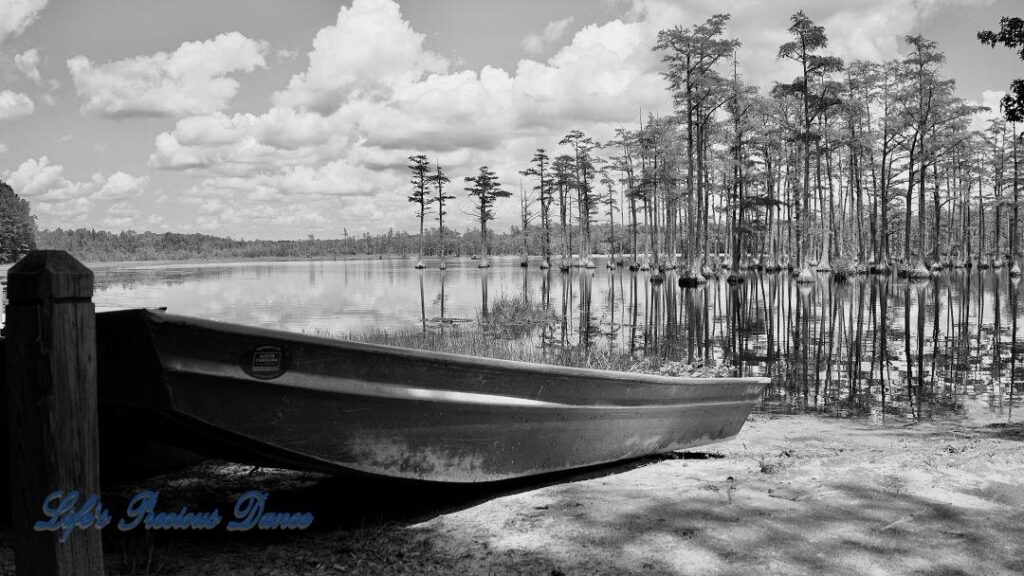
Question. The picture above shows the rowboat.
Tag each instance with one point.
(272, 398)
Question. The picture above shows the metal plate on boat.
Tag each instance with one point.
(266, 362)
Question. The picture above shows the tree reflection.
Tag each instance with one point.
(423, 306)
(869, 345)
(484, 309)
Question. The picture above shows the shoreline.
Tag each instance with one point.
(190, 261)
(790, 494)
(128, 264)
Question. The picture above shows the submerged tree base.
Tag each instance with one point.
(843, 269)
(919, 272)
(691, 279)
(805, 276)
(879, 268)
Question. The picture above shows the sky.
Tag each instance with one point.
(278, 119)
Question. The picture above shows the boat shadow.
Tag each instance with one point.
(342, 502)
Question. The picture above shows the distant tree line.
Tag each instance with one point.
(102, 246)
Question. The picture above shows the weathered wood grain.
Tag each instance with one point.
(52, 407)
(5, 452)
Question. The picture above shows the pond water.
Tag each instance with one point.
(871, 346)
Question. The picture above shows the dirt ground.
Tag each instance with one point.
(790, 495)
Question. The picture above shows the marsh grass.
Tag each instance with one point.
(475, 340)
(516, 309)
(472, 340)
(516, 317)
(517, 329)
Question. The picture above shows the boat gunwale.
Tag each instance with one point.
(158, 317)
(328, 385)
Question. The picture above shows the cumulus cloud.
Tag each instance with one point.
(15, 105)
(120, 215)
(285, 53)
(52, 214)
(245, 143)
(370, 81)
(17, 15)
(194, 79)
(254, 218)
(60, 201)
(122, 209)
(990, 99)
(39, 179)
(120, 186)
(27, 63)
(553, 32)
(369, 51)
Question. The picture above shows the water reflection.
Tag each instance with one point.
(423, 305)
(869, 346)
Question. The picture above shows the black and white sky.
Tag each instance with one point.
(279, 119)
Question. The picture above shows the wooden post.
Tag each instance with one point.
(52, 407)
(5, 453)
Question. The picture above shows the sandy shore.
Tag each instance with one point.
(789, 495)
